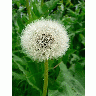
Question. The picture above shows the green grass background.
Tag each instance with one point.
(68, 79)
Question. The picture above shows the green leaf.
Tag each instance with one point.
(66, 56)
(34, 74)
(36, 10)
(79, 72)
(22, 2)
(48, 6)
(19, 21)
(18, 59)
(74, 58)
(72, 13)
(30, 78)
(82, 39)
(18, 76)
(67, 84)
(37, 70)
(34, 17)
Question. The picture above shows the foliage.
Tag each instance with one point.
(66, 79)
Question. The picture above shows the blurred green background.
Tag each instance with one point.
(67, 79)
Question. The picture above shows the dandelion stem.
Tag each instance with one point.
(42, 2)
(62, 1)
(28, 9)
(45, 78)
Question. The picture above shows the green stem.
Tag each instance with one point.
(62, 1)
(42, 2)
(45, 78)
(28, 9)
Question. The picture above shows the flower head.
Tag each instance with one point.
(44, 39)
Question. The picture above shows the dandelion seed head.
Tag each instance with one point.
(44, 39)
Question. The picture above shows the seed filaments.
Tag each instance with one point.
(45, 41)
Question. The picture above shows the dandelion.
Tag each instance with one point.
(44, 39)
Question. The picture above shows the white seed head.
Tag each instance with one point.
(44, 39)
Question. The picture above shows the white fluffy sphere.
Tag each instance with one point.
(44, 39)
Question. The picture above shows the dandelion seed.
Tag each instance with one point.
(44, 39)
